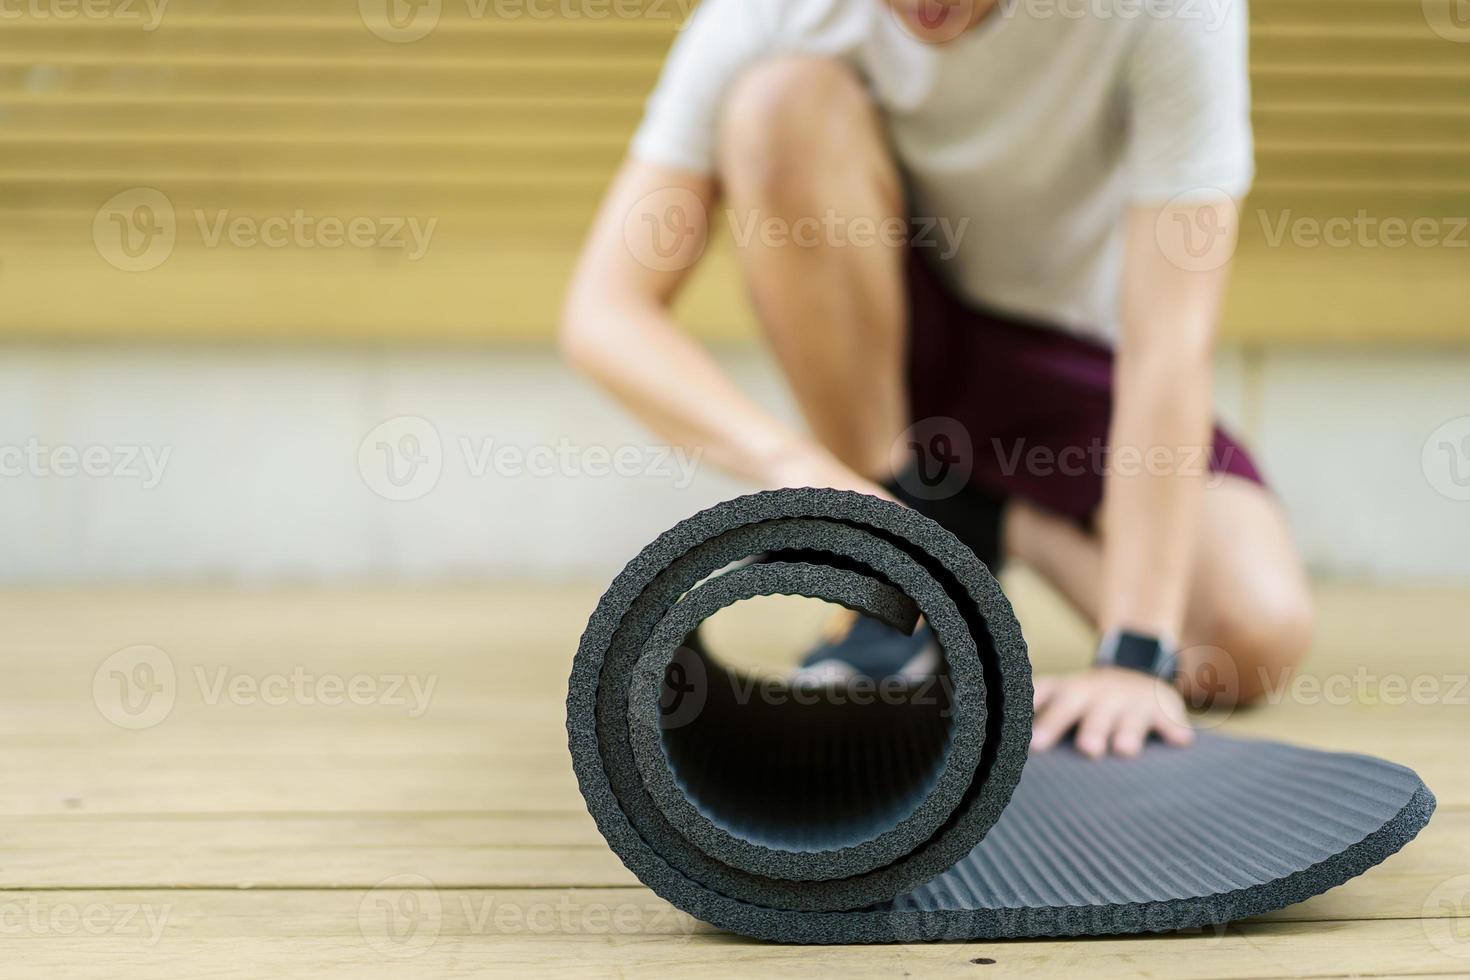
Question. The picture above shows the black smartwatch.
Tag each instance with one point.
(1139, 651)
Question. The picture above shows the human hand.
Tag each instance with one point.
(1114, 709)
(812, 466)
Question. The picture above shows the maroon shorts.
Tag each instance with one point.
(1027, 404)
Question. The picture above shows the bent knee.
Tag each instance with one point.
(1255, 643)
(784, 117)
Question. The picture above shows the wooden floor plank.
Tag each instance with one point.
(265, 829)
(589, 932)
(545, 851)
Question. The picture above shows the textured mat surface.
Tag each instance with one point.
(899, 811)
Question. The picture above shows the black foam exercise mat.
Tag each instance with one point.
(908, 809)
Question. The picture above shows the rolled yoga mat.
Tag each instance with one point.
(908, 810)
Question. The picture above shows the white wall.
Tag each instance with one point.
(274, 467)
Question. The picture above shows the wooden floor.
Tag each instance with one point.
(376, 784)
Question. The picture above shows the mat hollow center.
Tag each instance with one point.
(809, 768)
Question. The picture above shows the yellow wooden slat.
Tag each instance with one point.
(503, 124)
(513, 294)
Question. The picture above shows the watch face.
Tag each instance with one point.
(1137, 651)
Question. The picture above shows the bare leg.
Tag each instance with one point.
(802, 149)
(1250, 612)
(802, 153)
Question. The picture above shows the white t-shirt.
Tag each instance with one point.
(1039, 126)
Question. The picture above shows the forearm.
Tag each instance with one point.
(616, 328)
(639, 355)
(1160, 443)
(1162, 425)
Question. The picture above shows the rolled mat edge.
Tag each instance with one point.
(1068, 857)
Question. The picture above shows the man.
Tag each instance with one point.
(1079, 163)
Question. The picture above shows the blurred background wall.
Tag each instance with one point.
(278, 283)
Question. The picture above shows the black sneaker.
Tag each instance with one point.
(870, 649)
